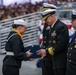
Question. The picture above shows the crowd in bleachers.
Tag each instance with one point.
(14, 10)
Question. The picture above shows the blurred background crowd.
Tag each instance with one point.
(15, 10)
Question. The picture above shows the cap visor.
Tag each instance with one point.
(45, 17)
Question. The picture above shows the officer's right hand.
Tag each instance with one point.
(28, 53)
(41, 52)
(42, 57)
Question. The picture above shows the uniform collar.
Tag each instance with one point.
(53, 24)
(18, 33)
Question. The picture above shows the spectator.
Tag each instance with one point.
(71, 55)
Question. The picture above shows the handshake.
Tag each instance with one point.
(34, 52)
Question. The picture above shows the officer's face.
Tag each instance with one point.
(50, 20)
(74, 23)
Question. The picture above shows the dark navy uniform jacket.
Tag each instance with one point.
(71, 57)
(15, 45)
(47, 68)
(58, 38)
(46, 40)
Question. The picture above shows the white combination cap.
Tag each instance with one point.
(47, 10)
(51, 6)
(20, 22)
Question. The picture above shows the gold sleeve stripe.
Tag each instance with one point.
(51, 51)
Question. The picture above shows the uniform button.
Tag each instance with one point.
(54, 41)
(71, 48)
(70, 60)
(70, 54)
(67, 59)
(44, 41)
(67, 53)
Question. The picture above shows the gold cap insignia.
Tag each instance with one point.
(54, 41)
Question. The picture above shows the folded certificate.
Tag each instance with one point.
(33, 50)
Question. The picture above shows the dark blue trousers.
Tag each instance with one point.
(10, 70)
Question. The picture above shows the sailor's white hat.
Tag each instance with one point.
(20, 22)
(73, 14)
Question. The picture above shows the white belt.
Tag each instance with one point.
(10, 53)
